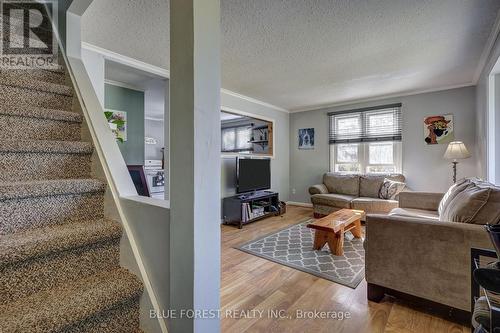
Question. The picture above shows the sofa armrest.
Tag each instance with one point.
(420, 200)
(423, 257)
(318, 189)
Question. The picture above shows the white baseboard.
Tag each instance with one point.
(299, 204)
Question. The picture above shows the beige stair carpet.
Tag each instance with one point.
(59, 255)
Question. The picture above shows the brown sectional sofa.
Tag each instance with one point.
(414, 253)
(351, 191)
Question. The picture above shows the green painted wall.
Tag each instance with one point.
(132, 102)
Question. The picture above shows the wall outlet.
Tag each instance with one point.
(293, 191)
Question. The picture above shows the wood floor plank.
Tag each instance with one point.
(251, 283)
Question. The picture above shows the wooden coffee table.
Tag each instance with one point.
(331, 229)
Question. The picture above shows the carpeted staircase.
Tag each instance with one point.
(59, 255)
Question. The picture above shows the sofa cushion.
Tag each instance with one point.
(331, 199)
(370, 184)
(373, 205)
(412, 212)
(342, 184)
(466, 204)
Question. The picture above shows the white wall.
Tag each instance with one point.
(423, 165)
(482, 109)
(495, 137)
(154, 129)
(156, 105)
(150, 225)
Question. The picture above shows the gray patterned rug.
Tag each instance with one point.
(292, 247)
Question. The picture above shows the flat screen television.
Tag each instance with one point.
(253, 174)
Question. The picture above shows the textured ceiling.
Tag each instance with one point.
(300, 54)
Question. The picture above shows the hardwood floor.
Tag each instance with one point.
(251, 284)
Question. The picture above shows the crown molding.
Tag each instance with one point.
(123, 85)
(128, 61)
(253, 100)
(492, 38)
(377, 98)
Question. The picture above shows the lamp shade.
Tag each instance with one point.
(456, 150)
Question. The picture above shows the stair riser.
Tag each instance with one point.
(23, 128)
(22, 214)
(27, 82)
(27, 97)
(43, 166)
(31, 276)
(123, 319)
(40, 75)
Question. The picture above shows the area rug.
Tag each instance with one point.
(292, 247)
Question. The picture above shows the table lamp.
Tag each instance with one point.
(456, 150)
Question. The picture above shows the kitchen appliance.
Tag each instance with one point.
(155, 178)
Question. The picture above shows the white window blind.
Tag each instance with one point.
(236, 139)
(366, 140)
(380, 123)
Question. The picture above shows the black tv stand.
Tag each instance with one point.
(233, 208)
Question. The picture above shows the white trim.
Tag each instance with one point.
(248, 114)
(299, 204)
(153, 118)
(256, 116)
(123, 85)
(124, 60)
(253, 100)
(149, 201)
(490, 130)
(376, 98)
(487, 49)
(165, 73)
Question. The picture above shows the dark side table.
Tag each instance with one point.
(480, 258)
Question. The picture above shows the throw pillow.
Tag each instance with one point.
(390, 189)
(466, 205)
(452, 192)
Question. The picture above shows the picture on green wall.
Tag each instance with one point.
(117, 121)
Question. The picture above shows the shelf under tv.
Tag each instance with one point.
(232, 207)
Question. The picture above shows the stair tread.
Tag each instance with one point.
(39, 242)
(25, 82)
(13, 109)
(68, 304)
(41, 188)
(45, 146)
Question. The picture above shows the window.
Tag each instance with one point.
(366, 140)
(237, 139)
